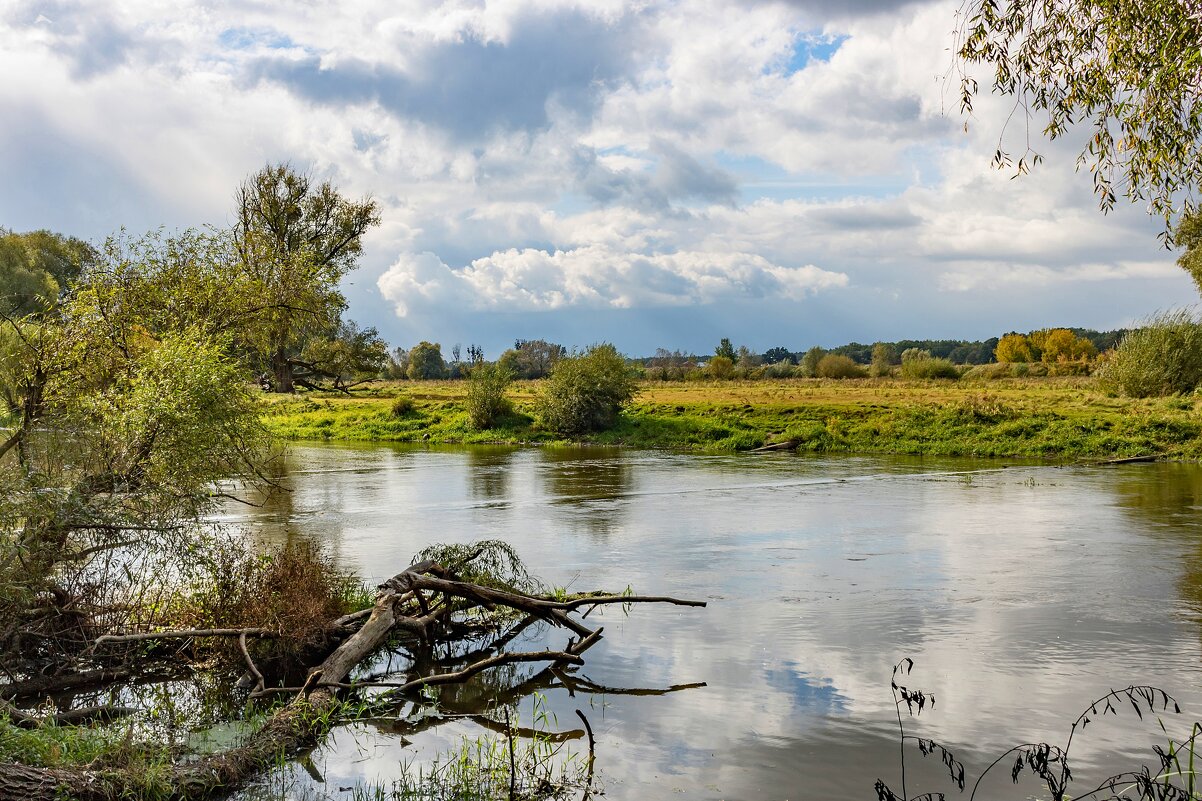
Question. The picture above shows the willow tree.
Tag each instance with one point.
(124, 406)
(297, 239)
(1130, 72)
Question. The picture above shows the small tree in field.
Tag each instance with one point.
(587, 391)
(426, 362)
(883, 357)
(486, 401)
(809, 362)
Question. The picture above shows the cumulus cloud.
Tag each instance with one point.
(582, 158)
(595, 277)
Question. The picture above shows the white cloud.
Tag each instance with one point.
(595, 277)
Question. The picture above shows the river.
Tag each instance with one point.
(1020, 591)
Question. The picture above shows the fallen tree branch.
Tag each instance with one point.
(310, 714)
(182, 634)
(71, 717)
(457, 676)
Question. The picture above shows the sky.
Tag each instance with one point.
(652, 174)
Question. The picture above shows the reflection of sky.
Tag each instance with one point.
(1021, 594)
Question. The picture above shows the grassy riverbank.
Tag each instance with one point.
(1062, 418)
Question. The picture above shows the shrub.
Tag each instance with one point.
(486, 401)
(834, 365)
(884, 355)
(1161, 358)
(587, 391)
(809, 362)
(989, 372)
(294, 590)
(917, 364)
(781, 369)
(402, 406)
(720, 368)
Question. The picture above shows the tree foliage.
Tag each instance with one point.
(1015, 348)
(777, 355)
(347, 357)
(486, 401)
(532, 358)
(296, 239)
(809, 362)
(1129, 70)
(587, 391)
(835, 365)
(125, 409)
(426, 362)
(726, 350)
(884, 356)
(1045, 345)
(920, 364)
(1188, 235)
(36, 267)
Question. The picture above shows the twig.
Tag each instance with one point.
(250, 663)
(592, 751)
(484, 664)
(513, 768)
(179, 634)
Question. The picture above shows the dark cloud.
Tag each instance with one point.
(86, 35)
(471, 88)
(865, 218)
(680, 175)
(677, 176)
(830, 10)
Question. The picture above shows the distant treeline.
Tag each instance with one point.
(958, 351)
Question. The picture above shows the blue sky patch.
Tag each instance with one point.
(811, 47)
(246, 38)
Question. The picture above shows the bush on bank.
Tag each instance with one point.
(1163, 357)
(587, 391)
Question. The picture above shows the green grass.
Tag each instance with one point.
(1058, 418)
(101, 749)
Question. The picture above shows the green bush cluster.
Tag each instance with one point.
(486, 401)
(1163, 357)
(920, 364)
(834, 365)
(586, 392)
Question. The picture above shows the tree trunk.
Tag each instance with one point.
(281, 367)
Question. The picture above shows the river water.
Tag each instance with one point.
(1020, 591)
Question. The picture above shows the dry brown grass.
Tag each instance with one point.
(294, 591)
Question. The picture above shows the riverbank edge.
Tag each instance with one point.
(1060, 420)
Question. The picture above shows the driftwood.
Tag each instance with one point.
(421, 600)
(785, 445)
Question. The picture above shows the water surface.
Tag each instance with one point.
(1021, 592)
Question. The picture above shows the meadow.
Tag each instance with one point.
(1061, 418)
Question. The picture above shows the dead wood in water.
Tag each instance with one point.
(786, 445)
(427, 601)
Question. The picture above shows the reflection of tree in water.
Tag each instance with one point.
(488, 472)
(1166, 499)
(595, 480)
